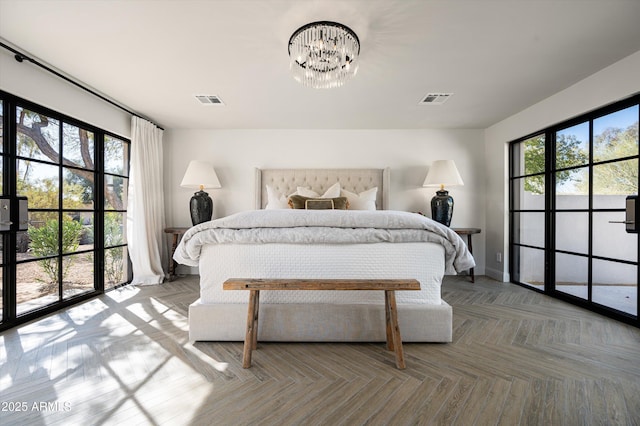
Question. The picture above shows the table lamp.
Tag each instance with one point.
(441, 173)
(200, 175)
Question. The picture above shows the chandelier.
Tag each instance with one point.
(323, 54)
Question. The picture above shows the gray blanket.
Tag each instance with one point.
(324, 227)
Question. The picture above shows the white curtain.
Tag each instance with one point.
(145, 208)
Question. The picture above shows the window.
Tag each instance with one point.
(528, 210)
(116, 182)
(71, 179)
(568, 189)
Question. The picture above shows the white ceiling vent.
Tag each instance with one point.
(209, 100)
(435, 98)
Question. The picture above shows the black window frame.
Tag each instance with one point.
(551, 209)
(10, 103)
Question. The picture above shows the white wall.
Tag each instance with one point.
(613, 83)
(235, 153)
(30, 82)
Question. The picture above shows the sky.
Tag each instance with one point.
(620, 119)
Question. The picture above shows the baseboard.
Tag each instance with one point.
(497, 274)
(187, 270)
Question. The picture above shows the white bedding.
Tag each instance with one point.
(423, 261)
(324, 227)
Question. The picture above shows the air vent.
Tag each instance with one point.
(209, 100)
(435, 98)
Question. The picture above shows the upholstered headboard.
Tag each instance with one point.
(286, 181)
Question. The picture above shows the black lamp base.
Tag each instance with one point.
(442, 207)
(201, 207)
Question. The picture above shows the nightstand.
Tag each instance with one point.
(469, 233)
(177, 234)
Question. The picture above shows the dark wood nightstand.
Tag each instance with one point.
(469, 233)
(177, 234)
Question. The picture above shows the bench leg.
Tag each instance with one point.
(387, 317)
(250, 337)
(255, 321)
(392, 314)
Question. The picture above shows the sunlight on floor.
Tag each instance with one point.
(127, 348)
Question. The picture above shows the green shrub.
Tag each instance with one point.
(44, 242)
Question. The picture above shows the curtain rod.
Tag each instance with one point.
(20, 57)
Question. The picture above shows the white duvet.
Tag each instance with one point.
(324, 227)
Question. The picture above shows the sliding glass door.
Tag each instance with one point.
(569, 191)
(56, 210)
(596, 170)
(55, 176)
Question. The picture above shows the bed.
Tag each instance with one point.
(274, 241)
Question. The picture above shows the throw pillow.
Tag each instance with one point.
(276, 200)
(308, 203)
(366, 200)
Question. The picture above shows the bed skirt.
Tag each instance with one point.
(292, 322)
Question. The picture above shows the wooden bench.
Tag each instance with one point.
(394, 340)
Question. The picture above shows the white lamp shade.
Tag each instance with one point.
(443, 172)
(201, 175)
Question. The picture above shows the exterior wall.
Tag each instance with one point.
(610, 240)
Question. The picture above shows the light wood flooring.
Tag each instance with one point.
(518, 357)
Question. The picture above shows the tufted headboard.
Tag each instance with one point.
(286, 181)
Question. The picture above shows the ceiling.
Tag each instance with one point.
(497, 57)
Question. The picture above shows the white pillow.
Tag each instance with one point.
(276, 200)
(366, 200)
(332, 192)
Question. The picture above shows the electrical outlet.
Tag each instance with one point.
(499, 257)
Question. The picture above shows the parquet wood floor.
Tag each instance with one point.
(518, 357)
